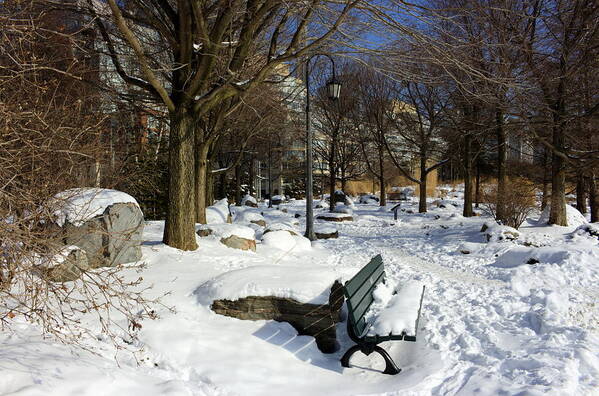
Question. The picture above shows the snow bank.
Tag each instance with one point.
(248, 198)
(218, 212)
(283, 240)
(573, 216)
(225, 230)
(524, 255)
(324, 228)
(496, 233)
(78, 205)
(281, 226)
(303, 284)
(400, 313)
(247, 216)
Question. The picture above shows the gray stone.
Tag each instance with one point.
(335, 218)
(261, 223)
(327, 235)
(110, 239)
(308, 319)
(70, 268)
(237, 242)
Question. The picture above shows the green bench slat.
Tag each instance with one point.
(354, 284)
(358, 312)
(377, 276)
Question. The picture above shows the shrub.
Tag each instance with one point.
(519, 200)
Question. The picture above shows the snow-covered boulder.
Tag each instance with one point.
(368, 199)
(529, 255)
(219, 212)
(340, 197)
(277, 199)
(248, 200)
(343, 208)
(231, 235)
(337, 217)
(573, 216)
(494, 232)
(106, 224)
(282, 226)
(589, 229)
(325, 231)
(67, 265)
(284, 240)
(308, 298)
(250, 216)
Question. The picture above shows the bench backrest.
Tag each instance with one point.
(358, 291)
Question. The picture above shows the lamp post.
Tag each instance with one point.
(333, 90)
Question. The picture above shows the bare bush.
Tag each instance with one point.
(51, 139)
(519, 200)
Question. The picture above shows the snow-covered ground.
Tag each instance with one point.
(491, 324)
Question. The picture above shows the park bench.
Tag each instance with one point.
(358, 292)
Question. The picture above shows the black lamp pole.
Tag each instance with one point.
(333, 89)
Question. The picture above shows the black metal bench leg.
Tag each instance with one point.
(390, 367)
(348, 354)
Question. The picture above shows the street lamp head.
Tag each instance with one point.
(333, 89)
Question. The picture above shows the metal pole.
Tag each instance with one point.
(309, 161)
(309, 204)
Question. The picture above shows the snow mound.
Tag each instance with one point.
(225, 230)
(369, 199)
(342, 208)
(496, 233)
(281, 226)
(218, 212)
(248, 198)
(573, 216)
(589, 230)
(303, 284)
(524, 255)
(78, 205)
(399, 311)
(283, 240)
(248, 216)
(324, 228)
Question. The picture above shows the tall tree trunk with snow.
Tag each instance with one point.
(332, 175)
(581, 199)
(238, 184)
(383, 200)
(422, 186)
(558, 170)
(500, 214)
(545, 198)
(477, 187)
(201, 180)
(468, 211)
(593, 198)
(179, 227)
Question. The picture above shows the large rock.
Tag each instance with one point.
(110, 239)
(67, 265)
(308, 319)
(337, 217)
(237, 242)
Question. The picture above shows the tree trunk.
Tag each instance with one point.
(201, 181)
(557, 215)
(179, 227)
(581, 199)
(500, 213)
(252, 176)
(468, 212)
(238, 185)
(593, 198)
(422, 187)
(383, 200)
(209, 186)
(545, 198)
(477, 187)
(332, 178)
